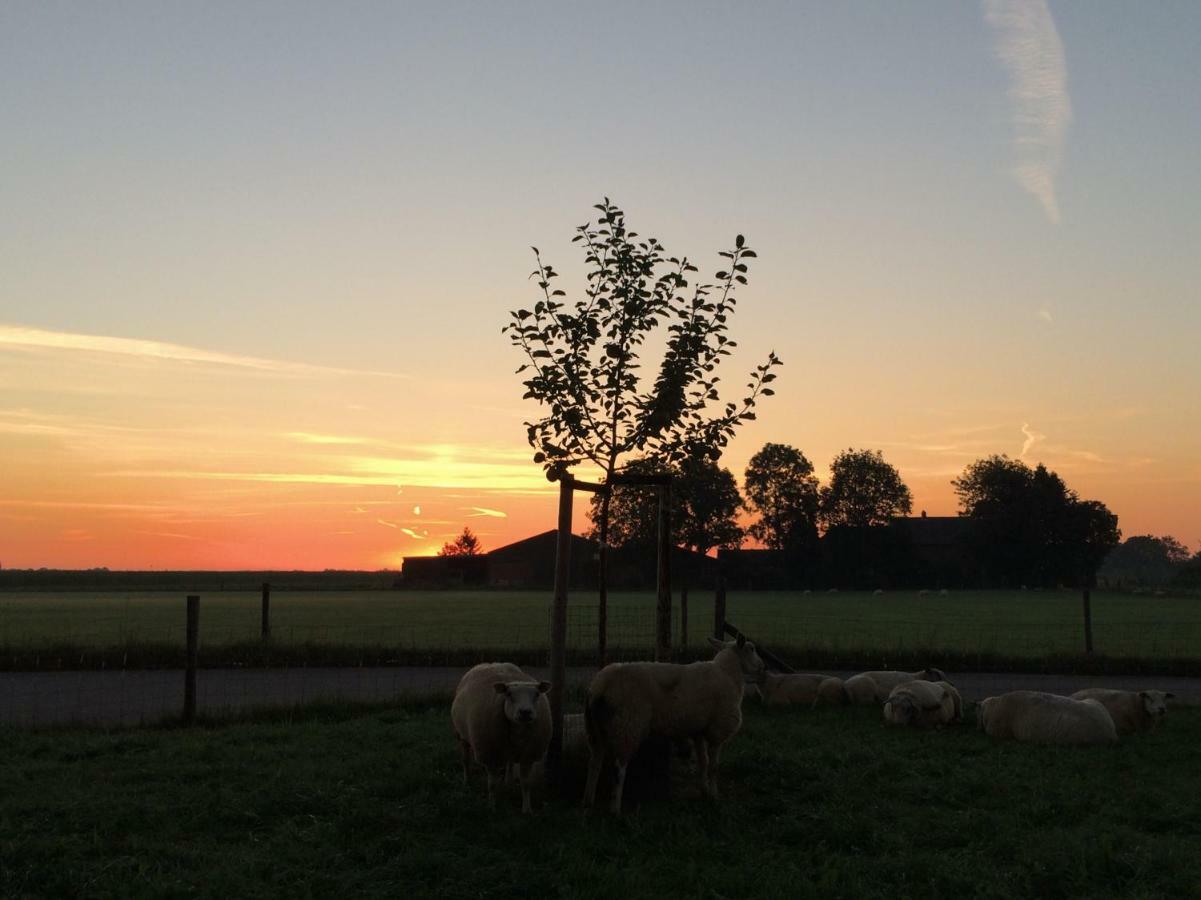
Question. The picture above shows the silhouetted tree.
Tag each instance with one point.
(466, 544)
(1145, 560)
(864, 491)
(781, 490)
(1030, 527)
(584, 367)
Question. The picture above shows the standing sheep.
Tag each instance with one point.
(922, 704)
(867, 688)
(803, 689)
(1131, 711)
(1039, 718)
(701, 701)
(501, 718)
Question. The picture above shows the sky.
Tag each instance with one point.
(255, 258)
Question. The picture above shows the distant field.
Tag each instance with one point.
(1014, 624)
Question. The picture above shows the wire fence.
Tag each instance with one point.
(119, 660)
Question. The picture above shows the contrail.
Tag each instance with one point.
(1032, 438)
(1029, 48)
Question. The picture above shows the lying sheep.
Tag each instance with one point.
(701, 701)
(501, 718)
(923, 704)
(802, 689)
(867, 688)
(1039, 718)
(1131, 711)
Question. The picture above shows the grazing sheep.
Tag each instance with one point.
(878, 592)
(807, 690)
(867, 688)
(922, 704)
(1039, 718)
(956, 701)
(701, 701)
(1131, 711)
(501, 718)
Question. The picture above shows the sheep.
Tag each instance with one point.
(1039, 718)
(701, 701)
(501, 718)
(1131, 711)
(809, 690)
(867, 688)
(922, 704)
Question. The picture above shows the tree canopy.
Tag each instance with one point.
(782, 491)
(466, 544)
(864, 491)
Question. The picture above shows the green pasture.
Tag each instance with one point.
(1024, 624)
(824, 804)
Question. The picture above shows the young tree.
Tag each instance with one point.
(782, 490)
(584, 362)
(466, 544)
(864, 491)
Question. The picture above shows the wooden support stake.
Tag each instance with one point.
(766, 655)
(266, 625)
(1088, 621)
(663, 616)
(684, 618)
(558, 626)
(189, 681)
(719, 609)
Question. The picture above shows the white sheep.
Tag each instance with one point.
(869, 688)
(701, 702)
(922, 704)
(802, 689)
(501, 718)
(1131, 711)
(1039, 718)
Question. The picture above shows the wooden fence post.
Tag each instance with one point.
(558, 626)
(1088, 621)
(684, 617)
(719, 609)
(663, 616)
(189, 681)
(266, 624)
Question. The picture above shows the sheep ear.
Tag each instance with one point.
(543, 687)
(741, 640)
(1145, 695)
(716, 643)
(500, 687)
(1169, 696)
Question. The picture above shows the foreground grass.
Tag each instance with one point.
(816, 804)
(148, 628)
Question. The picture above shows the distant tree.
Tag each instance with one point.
(1144, 559)
(782, 491)
(864, 491)
(1030, 527)
(705, 504)
(584, 367)
(466, 544)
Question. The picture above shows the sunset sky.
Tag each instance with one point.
(255, 258)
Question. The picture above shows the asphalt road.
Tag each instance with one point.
(145, 697)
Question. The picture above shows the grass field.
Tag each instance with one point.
(826, 627)
(824, 804)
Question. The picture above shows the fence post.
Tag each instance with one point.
(663, 617)
(1088, 621)
(189, 680)
(684, 617)
(266, 626)
(558, 627)
(719, 609)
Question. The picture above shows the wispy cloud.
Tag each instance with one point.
(386, 523)
(415, 535)
(478, 512)
(305, 437)
(1032, 438)
(1029, 48)
(15, 337)
(1045, 315)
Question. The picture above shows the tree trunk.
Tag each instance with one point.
(602, 608)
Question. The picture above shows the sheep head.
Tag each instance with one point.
(521, 699)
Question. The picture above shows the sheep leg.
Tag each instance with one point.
(596, 762)
(714, 760)
(617, 789)
(493, 777)
(465, 756)
(702, 762)
(523, 778)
